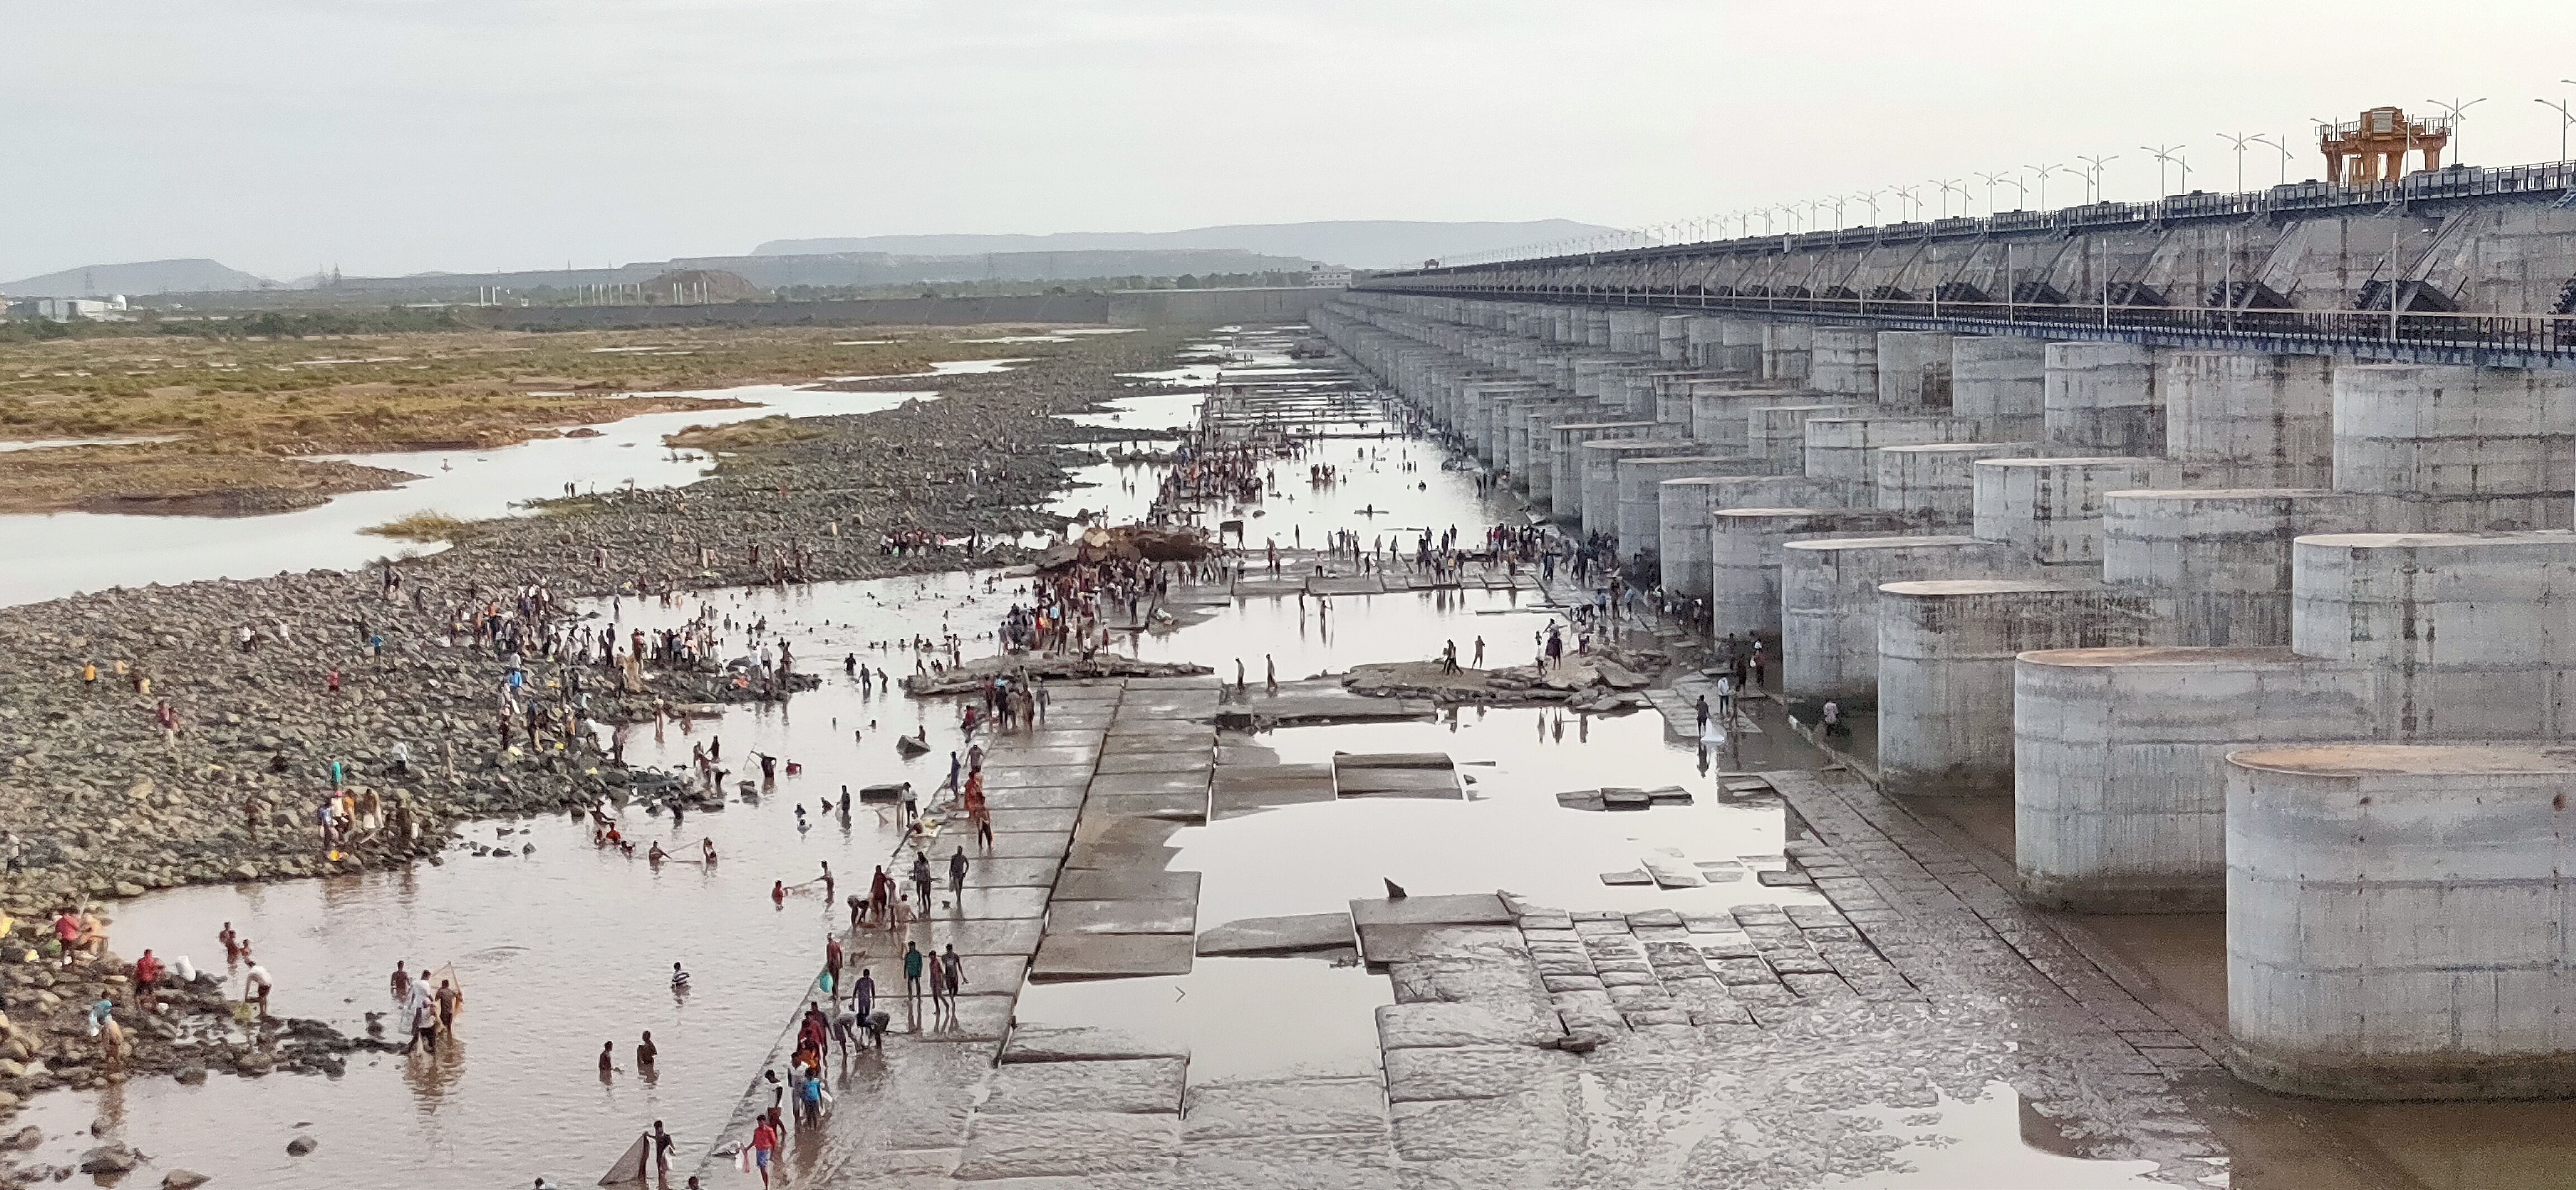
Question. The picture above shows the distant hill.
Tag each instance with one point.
(141, 277)
(1373, 243)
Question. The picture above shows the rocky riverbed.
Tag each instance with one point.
(106, 801)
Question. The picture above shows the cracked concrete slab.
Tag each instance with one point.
(1111, 956)
(1074, 1143)
(1278, 935)
(1058, 1043)
(1129, 1085)
(1121, 917)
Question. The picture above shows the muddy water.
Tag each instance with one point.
(58, 554)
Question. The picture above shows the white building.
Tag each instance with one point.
(1325, 276)
(60, 309)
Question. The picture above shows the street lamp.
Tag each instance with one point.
(2093, 172)
(2239, 140)
(2565, 118)
(2168, 155)
(1836, 202)
(2283, 145)
(1948, 186)
(1990, 180)
(2459, 117)
(2044, 171)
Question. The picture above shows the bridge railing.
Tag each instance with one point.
(2527, 334)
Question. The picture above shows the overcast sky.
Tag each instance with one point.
(390, 136)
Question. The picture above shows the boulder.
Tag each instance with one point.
(301, 1145)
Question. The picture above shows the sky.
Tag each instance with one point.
(396, 136)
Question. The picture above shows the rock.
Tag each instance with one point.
(190, 1075)
(183, 1179)
(301, 1145)
(110, 1158)
(11, 1068)
(25, 1139)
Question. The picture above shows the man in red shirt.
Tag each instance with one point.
(763, 1140)
(67, 932)
(147, 972)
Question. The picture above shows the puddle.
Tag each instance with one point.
(1966, 1144)
(1240, 1018)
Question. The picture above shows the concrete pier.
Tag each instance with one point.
(2457, 450)
(2249, 421)
(2397, 921)
(2215, 565)
(2120, 764)
(2052, 508)
(1787, 351)
(1721, 411)
(1829, 604)
(1600, 478)
(1779, 432)
(1744, 547)
(2465, 635)
(1684, 506)
(2001, 382)
(1844, 362)
(1641, 503)
(1934, 485)
(1945, 670)
(1914, 370)
(1842, 452)
(1565, 441)
(2101, 398)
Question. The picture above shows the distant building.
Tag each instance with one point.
(1325, 276)
(60, 309)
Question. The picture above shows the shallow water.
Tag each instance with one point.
(63, 553)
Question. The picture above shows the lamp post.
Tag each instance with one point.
(2459, 119)
(1990, 180)
(2239, 140)
(2093, 172)
(2165, 156)
(2283, 145)
(1913, 199)
(1957, 184)
(2044, 171)
(2565, 118)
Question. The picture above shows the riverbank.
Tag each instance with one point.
(238, 423)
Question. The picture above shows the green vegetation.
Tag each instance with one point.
(424, 526)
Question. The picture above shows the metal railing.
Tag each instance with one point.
(2505, 334)
(2451, 182)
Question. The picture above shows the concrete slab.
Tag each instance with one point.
(1047, 797)
(1448, 909)
(1110, 956)
(882, 950)
(1033, 818)
(1093, 885)
(1188, 806)
(1031, 775)
(1416, 1026)
(1182, 781)
(1132, 1085)
(978, 1019)
(1054, 1043)
(1422, 1074)
(1429, 783)
(1393, 760)
(1122, 917)
(1245, 789)
(1068, 1144)
(1029, 844)
(1285, 1107)
(976, 904)
(1195, 760)
(1279, 935)
(1036, 872)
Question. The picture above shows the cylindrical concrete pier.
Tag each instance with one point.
(1844, 363)
(2101, 398)
(2001, 382)
(1685, 505)
(1934, 485)
(1672, 338)
(1779, 432)
(2397, 921)
(1744, 549)
(1945, 671)
(1787, 351)
(2052, 508)
(1843, 451)
(2443, 449)
(1721, 410)
(1829, 604)
(2249, 421)
(2120, 764)
(1641, 484)
(2466, 635)
(1565, 461)
(1601, 456)
(1914, 370)
(2214, 565)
